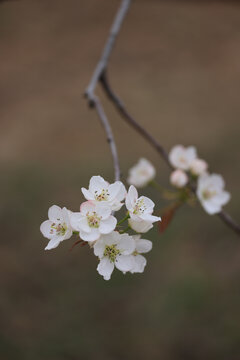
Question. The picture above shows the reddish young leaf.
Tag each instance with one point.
(167, 217)
(81, 242)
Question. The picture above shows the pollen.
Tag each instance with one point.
(208, 194)
(102, 196)
(111, 252)
(93, 220)
(140, 207)
(59, 229)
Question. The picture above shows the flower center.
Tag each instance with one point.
(139, 207)
(102, 196)
(208, 194)
(182, 160)
(59, 229)
(93, 220)
(135, 253)
(111, 252)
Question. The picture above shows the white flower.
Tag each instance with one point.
(93, 220)
(141, 174)
(178, 178)
(57, 228)
(140, 211)
(141, 246)
(181, 157)
(198, 167)
(211, 194)
(101, 191)
(114, 250)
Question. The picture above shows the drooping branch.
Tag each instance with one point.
(93, 100)
(130, 119)
(99, 75)
(110, 138)
(103, 62)
(228, 220)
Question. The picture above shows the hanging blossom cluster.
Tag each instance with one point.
(209, 187)
(190, 173)
(122, 247)
(97, 226)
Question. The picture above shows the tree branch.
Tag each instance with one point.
(103, 62)
(93, 100)
(131, 121)
(110, 138)
(99, 75)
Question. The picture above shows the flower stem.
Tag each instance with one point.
(125, 230)
(124, 219)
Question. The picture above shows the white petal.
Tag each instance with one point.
(55, 213)
(140, 226)
(108, 225)
(79, 222)
(224, 197)
(99, 248)
(217, 180)
(87, 194)
(103, 209)
(97, 183)
(124, 262)
(143, 246)
(148, 203)
(116, 206)
(150, 218)
(93, 235)
(126, 244)
(68, 234)
(131, 197)
(114, 189)
(87, 206)
(122, 192)
(139, 264)
(210, 207)
(45, 229)
(105, 268)
(110, 239)
(52, 243)
(66, 216)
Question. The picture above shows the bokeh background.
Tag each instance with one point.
(177, 67)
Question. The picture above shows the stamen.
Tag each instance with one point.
(111, 252)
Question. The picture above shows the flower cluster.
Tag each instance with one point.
(96, 225)
(210, 187)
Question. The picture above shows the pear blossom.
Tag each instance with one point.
(140, 211)
(141, 246)
(93, 220)
(101, 191)
(198, 167)
(211, 194)
(178, 178)
(141, 174)
(181, 157)
(114, 250)
(58, 227)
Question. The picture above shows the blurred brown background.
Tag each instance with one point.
(177, 67)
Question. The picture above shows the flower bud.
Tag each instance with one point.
(198, 167)
(178, 178)
(141, 174)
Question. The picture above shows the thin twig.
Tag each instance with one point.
(103, 62)
(130, 119)
(110, 137)
(227, 219)
(101, 66)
